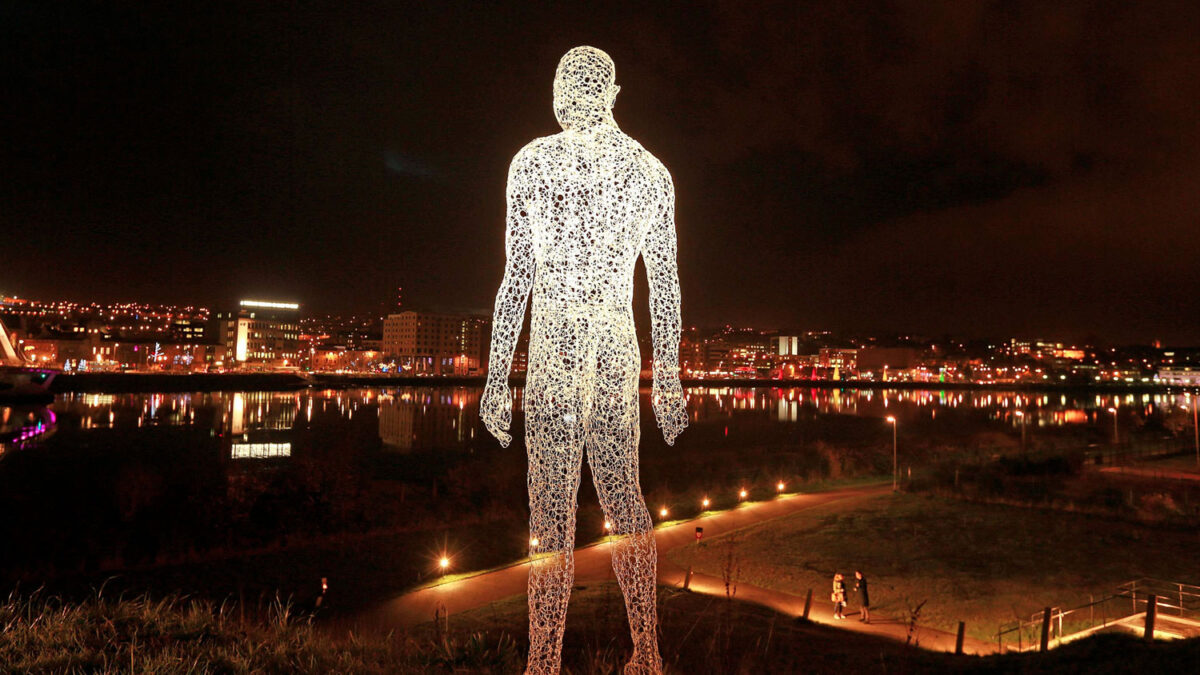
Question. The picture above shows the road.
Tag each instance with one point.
(594, 564)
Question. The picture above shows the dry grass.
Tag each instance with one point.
(113, 634)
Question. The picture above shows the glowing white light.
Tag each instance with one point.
(583, 205)
(269, 305)
(259, 450)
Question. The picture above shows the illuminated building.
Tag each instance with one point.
(333, 359)
(789, 345)
(843, 360)
(426, 343)
(261, 333)
(1179, 375)
(188, 330)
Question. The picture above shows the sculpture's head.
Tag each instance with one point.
(584, 88)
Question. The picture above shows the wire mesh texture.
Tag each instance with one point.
(583, 205)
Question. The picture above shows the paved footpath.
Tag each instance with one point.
(594, 564)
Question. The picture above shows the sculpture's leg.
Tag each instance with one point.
(612, 453)
(555, 451)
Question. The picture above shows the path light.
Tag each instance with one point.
(662, 512)
(533, 542)
(704, 502)
(444, 564)
(743, 494)
(779, 487)
(607, 526)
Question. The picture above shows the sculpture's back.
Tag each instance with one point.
(583, 205)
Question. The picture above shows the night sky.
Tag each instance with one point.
(983, 169)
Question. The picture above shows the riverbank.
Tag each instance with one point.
(113, 383)
(210, 382)
(346, 380)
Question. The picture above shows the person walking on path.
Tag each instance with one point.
(839, 597)
(864, 597)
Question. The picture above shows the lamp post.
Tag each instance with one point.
(1196, 427)
(1021, 414)
(892, 420)
(1116, 435)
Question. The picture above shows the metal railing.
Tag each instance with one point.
(1129, 599)
(1172, 598)
(1131, 453)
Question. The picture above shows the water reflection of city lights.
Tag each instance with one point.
(260, 450)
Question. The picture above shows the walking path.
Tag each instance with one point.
(594, 564)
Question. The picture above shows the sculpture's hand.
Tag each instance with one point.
(670, 409)
(495, 409)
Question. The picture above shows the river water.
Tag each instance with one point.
(95, 484)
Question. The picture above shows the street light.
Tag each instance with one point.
(742, 494)
(1195, 426)
(1116, 436)
(704, 502)
(1021, 414)
(444, 564)
(892, 420)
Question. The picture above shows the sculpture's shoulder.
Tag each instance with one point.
(614, 146)
(655, 169)
(541, 148)
(527, 157)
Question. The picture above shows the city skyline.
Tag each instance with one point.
(16, 305)
(970, 170)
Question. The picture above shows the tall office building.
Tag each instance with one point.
(426, 343)
(261, 333)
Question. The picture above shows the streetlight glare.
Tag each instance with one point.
(444, 562)
(891, 420)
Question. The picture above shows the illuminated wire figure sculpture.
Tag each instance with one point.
(583, 204)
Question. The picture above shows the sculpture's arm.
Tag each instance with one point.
(495, 408)
(658, 254)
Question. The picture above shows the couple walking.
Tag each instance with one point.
(839, 597)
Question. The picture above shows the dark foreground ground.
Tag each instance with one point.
(700, 634)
